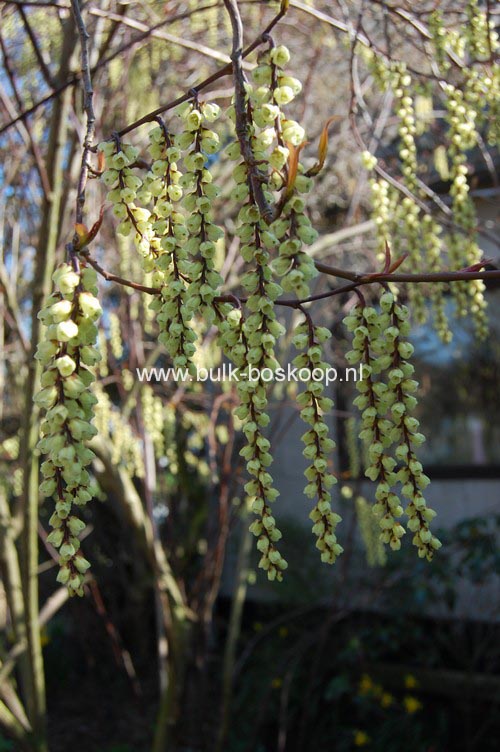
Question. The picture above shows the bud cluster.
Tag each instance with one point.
(115, 335)
(271, 132)
(407, 218)
(172, 267)
(153, 418)
(293, 230)
(67, 354)
(405, 432)
(273, 90)
(384, 201)
(175, 236)
(368, 528)
(405, 110)
(440, 40)
(351, 438)
(273, 143)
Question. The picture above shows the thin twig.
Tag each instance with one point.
(100, 64)
(45, 100)
(120, 652)
(36, 48)
(88, 106)
(364, 39)
(39, 4)
(35, 150)
(119, 280)
(12, 307)
(186, 43)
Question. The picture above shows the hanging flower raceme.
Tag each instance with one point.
(67, 354)
(198, 200)
(318, 445)
(238, 337)
(374, 401)
(260, 332)
(432, 241)
(128, 197)
(405, 432)
(277, 140)
(173, 270)
(470, 103)
(462, 250)
(386, 401)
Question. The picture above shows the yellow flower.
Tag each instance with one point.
(277, 683)
(283, 632)
(410, 681)
(411, 704)
(361, 739)
(257, 626)
(386, 700)
(365, 685)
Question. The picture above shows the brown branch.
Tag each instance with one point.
(151, 116)
(445, 276)
(255, 176)
(119, 280)
(120, 652)
(355, 279)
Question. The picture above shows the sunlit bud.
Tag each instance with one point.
(81, 564)
(66, 330)
(280, 55)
